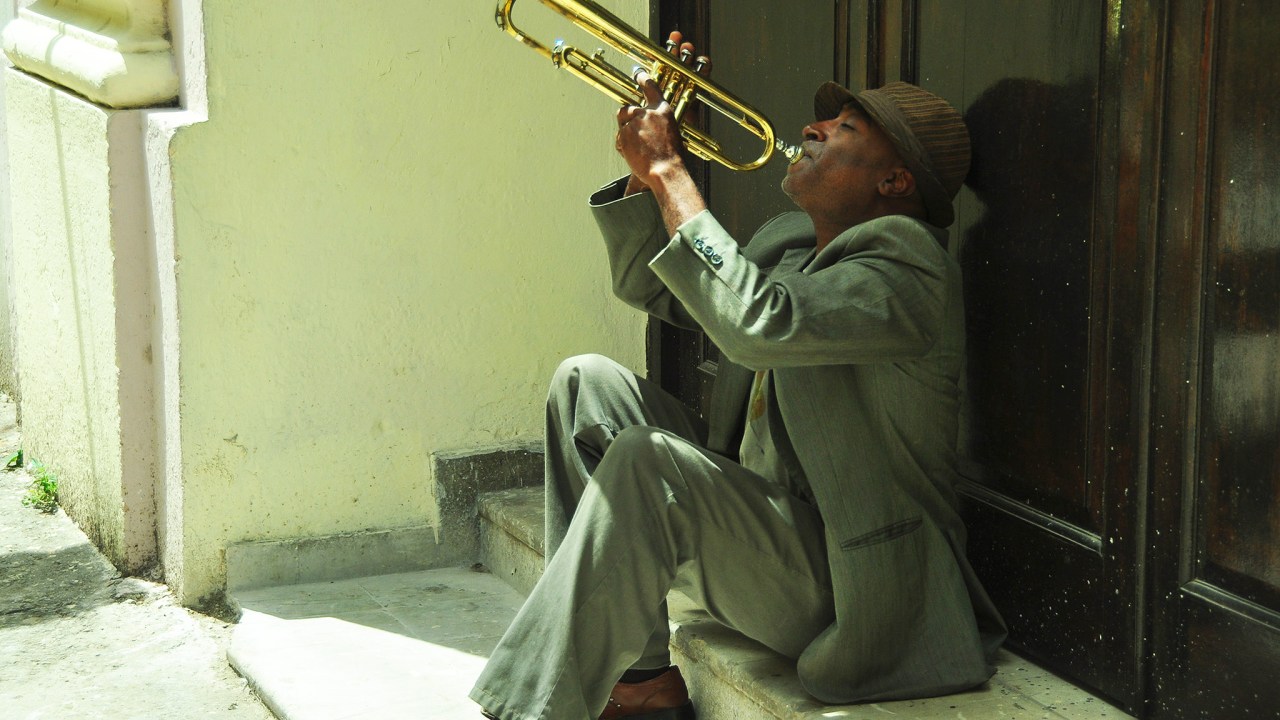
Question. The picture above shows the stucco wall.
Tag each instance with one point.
(8, 371)
(80, 278)
(62, 252)
(383, 250)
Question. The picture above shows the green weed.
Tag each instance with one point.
(43, 493)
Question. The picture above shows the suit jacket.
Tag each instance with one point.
(866, 344)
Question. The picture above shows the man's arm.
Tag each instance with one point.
(633, 233)
(878, 293)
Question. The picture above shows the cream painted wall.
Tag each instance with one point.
(63, 256)
(383, 250)
(8, 370)
(81, 273)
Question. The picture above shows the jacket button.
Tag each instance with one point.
(716, 260)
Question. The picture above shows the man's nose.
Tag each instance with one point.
(814, 132)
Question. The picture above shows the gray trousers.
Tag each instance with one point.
(637, 506)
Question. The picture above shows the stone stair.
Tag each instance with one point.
(410, 645)
(734, 678)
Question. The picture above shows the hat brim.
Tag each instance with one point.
(830, 100)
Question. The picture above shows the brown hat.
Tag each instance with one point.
(928, 133)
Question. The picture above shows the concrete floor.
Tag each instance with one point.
(80, 642)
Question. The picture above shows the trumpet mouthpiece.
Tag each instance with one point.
(792, 152)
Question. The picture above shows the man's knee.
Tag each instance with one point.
(641, 457)
(582, 370)
(643, 473)
(640, 442)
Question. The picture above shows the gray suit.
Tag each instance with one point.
(871, 589)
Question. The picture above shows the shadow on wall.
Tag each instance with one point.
(1026, 269)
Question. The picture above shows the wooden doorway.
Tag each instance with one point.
(1117, 237)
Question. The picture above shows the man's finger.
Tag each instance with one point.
(686, 52)
(673, 41)
(652, 94)
(626, 114)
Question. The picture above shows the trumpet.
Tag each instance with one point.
(680, 86)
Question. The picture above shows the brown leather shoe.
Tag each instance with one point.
(663, 698)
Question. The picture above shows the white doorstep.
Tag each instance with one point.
(385, 647)
(411, 645)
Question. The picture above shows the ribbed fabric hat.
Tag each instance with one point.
(928, 133)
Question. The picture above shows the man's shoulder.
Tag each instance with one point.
(900, 232)
(784, 232)
(789, 225)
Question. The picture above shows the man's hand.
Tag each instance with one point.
(648, 136)
(649, 140)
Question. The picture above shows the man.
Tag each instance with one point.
(815, 513)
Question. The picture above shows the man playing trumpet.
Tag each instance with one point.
(814, 512)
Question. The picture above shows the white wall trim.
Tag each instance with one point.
(114, 53)
(186, 21)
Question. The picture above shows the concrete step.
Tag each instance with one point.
(410, 645)
(734, 678)
(511, 541)
(389, 647)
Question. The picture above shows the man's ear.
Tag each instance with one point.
(901, 183)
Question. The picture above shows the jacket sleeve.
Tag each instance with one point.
(633, 233)
(877, 293)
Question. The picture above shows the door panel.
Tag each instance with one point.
(1026, 237)
(774, 56)
(1217, 619)
(1049, 530)
(1048, 513)
(683, 362)
(1240, 440)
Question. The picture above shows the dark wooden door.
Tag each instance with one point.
(1215, 617)
(1120, 252)
(1051, 513)
(1051, 435)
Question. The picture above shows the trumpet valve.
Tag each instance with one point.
(558, 52)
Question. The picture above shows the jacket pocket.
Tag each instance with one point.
(889, 532)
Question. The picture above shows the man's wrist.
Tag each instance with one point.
(668, 175)
(677, 195)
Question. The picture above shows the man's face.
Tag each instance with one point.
(845, 159)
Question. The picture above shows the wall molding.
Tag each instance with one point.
(114, 52)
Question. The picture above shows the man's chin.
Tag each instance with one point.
(786, 189)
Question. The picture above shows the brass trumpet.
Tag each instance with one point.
(680, 86)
